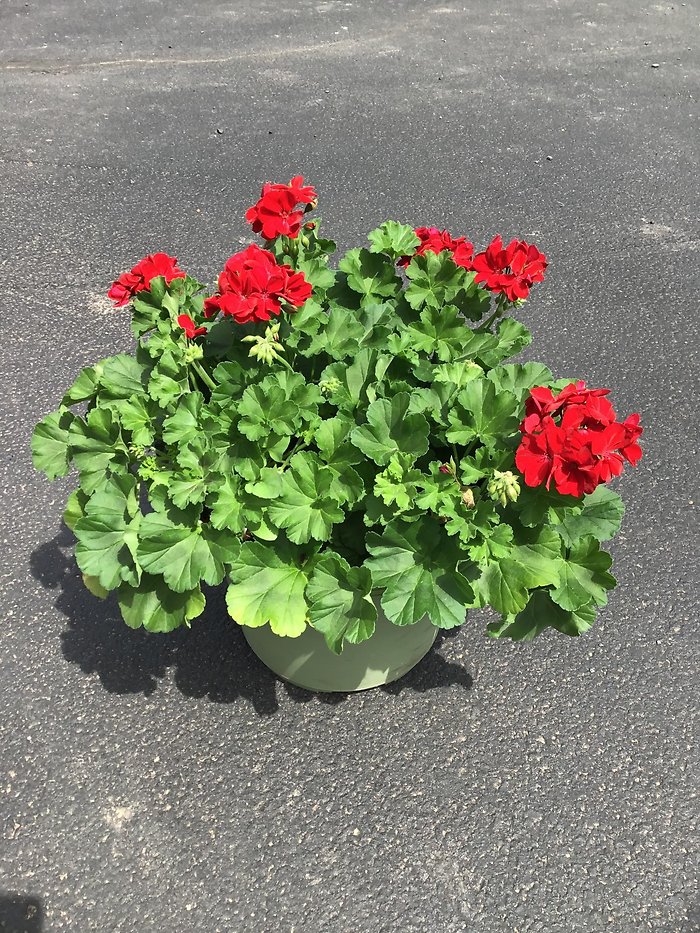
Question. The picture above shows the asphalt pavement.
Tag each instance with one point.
(170, 784)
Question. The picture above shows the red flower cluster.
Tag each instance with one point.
(275, 213)
(574, 439)
(433, 240)
(139, 279)
(511, 270)
(253, 286)
(190, 328)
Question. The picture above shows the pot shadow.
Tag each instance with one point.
(212, 659)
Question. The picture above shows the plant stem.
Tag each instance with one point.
(500, 309)
(281, 359)
(203, 375)
(300, 445)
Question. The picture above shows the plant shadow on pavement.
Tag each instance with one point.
(20, 913)
(212, 659)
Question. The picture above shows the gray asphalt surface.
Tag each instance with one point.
(170, 783)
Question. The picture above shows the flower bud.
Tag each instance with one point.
(192, 352)
(468, 498)
(503, 487)
(329, 386)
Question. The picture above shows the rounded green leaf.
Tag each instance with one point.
(51, 451)
(390, 430)
(267, 586)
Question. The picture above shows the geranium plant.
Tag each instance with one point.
(324, 441)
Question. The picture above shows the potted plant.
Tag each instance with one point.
(345, 449)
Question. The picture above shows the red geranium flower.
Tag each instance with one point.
(253, 286)
(542, 403)
(433, 240)
(631, 450)
(576, 471)
(510, 270)
(574, 440)
(190, 328)
(139, 279)
(275, 214)
(305, 194)
(538, 455)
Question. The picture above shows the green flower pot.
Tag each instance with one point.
(307, 662)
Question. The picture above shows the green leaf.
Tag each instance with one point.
(370, 274)
(434, 402)
(51, 452)
(512, 338)
(600, 517)
(535, 561)
(417, 564)
(317, 273)
(168, 380)
(396, 485)
(97, 448)
(495, 544)
(226, 507)
(303, 503)
(435, 280)
(482, 413)
(84, 388)
(332, 438)
(147, 312)
(187, 488)
(230, 378)
(75, 508)
(504, 585)
(519, 378)
(390, 429)
(122, 376)
(539, 614)
(356, 380)
(93, 585)
(538, 505)
(156, 607)
(340, 606)
(267, 585)
(184, 552)
(107, 534)
(267, 413)
(443, 332)
(307, 397)
(583, 576)
(394, 239)
(137, 415)
(306, 323)
(340, 337)
(539, 552)
(378, 321)
(184, 425)
(458, 374)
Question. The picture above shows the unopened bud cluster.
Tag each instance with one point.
(193, 352)
(329, 386)
(503, 487)
(267, 349)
